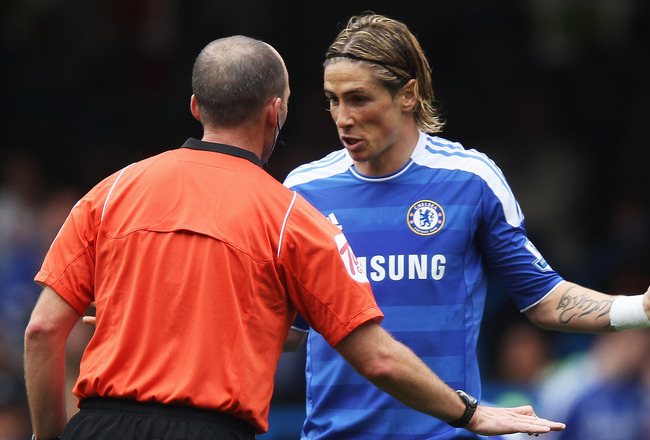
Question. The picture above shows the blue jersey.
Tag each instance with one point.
(425, 235)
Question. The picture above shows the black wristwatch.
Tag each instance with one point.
(470, 406)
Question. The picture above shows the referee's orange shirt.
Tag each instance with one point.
(198, 262)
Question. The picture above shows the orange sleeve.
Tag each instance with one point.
(323, 278)
(69, 265)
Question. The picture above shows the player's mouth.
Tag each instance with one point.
(351, 143)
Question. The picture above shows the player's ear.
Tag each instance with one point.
(409, 97)
(194, 108)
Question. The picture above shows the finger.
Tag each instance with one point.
(555, 426)
(536, 421)
(525, 410)
(545, 426)
(89, 320)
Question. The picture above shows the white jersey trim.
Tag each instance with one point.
(381, 178)
(431, 152)
(334, 163)
(435, 152)
(111, 191)
(284, 222)
(543, 297)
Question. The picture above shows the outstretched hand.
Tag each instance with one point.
(646, 302)
(489, 420)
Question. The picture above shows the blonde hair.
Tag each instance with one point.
(396, 52)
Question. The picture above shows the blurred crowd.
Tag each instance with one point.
(30, 217)
(555, 91)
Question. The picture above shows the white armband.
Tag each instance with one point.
(627, 313)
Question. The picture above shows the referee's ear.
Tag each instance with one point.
(273, 109)
(194, 108)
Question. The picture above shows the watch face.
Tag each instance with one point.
(470, 400)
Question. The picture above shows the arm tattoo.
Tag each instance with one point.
(580, 304)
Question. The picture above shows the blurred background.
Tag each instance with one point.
(555, 91)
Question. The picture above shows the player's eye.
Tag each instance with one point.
(331, 101)
(358, 99)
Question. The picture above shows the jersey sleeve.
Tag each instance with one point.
(510, 255)
(324, 280)
(69, 265)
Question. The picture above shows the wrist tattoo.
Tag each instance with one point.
(580, 305)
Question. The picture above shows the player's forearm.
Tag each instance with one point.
(44, 379)
(573, 308)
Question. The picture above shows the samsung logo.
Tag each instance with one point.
(398, 267)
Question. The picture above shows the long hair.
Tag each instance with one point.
(394, 50)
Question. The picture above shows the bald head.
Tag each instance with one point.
(234, 77)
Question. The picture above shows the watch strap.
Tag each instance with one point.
(470, 407)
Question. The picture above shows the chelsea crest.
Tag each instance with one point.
(425, 217)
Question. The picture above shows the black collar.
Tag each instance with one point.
(196, 144)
